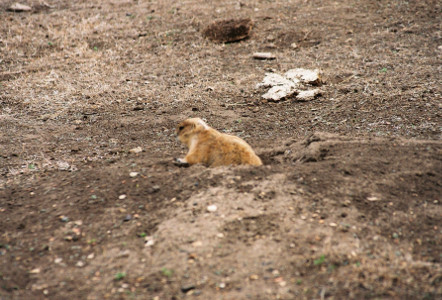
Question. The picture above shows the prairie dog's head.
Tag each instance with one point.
(190, 127)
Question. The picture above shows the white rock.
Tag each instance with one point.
(122, 197)
(35, 271)
(293, 82)
(136, 150)
(149, 241)
(373, 198)
(80, 264)
(263, 55)
(279, 92)
(133, 174)
(62, 165)
(307, 95)
(17, 7)
(58, 260)
(272, 79)
(306, 76)
(197, 244)
(212, 208)
(91, 256)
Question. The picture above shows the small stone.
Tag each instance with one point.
(220, 235)
(304, 75)
(333, 224)
(46, 292)
(127, 218)
(17, 7)
(35, 271)
(149, 241)
(58, 260)
(197, 244)
(188, 287)
(133, 174)
(136, 150)
(263, 55)
(308, 95)
(64, 219)
(373, 198)
(212, 208)
(303, 217)
(91, 256)
(78, 222)
(221, 285)
(254, 277)
(80, 264)
(294, 46)
(122, 197)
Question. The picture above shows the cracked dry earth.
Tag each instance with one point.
(346, 206)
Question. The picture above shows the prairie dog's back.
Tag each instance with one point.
(213, 148)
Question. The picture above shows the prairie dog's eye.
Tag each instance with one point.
(180, 128)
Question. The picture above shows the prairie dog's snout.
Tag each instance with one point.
(211, 147)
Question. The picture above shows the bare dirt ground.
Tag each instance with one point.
(347, 204)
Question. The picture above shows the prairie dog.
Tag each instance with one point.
(212, 148)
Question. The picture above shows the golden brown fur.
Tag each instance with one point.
(212, 148)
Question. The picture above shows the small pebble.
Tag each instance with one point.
(149, 241)
(197, 244)
(373, 198)
(136, 150)
(122, 197)
(333, 224)
(133, 174)
(212, 208)
(58, 260)
(18, 7)
(221, 285)
(263, 55)
(127, 218)
(64, 219)
(80, 264)
(91, 256)
(188, 287)
(35, 271)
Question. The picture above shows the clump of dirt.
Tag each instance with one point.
(227, 31)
